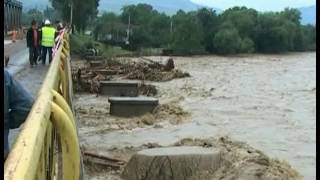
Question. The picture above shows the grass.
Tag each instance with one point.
(80, 43)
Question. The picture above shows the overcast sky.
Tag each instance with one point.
(261, 5)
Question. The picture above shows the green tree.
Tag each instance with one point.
(292, 15)
(51, 14)
(140, 20)
(239, 22)
(227, 40)
(140, 14)
(242, 18)
(247, 45)
(278, 32)
(83, 11)
(160, 30)
(109, 24)
(139, 39)
(309, 37)
(187, 33)
(264, 37)
(32, 14)
(210, 23)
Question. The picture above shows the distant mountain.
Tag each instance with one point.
(308, 15)
(167, 6)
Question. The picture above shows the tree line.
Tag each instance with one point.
(80, 12)
(236, 30)
(39, 16)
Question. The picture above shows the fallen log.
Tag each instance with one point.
(90, 57)
(103, 160)
(120, 161)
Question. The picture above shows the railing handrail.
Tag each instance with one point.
(29, 149)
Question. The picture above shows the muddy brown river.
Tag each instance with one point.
(267, 101)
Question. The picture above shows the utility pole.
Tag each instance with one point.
(171, 27)
(71, 14)
(128, 31)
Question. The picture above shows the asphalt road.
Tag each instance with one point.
(18, 54)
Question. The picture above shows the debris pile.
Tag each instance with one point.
(153, 72)
(170, 111)
(143, 69)
(242, 161)
(87, 77)
(147, 89)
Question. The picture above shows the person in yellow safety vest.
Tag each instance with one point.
(47, 37)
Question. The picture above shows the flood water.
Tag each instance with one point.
(267, 101)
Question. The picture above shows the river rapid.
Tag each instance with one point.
(267, 101)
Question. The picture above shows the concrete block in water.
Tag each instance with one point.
(112, 88)
(132, 106)
(169, 163)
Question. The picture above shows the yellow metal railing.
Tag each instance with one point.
(47, 146)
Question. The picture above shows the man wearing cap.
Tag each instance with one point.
(47, 36)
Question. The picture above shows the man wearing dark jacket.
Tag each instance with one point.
(33, 43)
(17, 105)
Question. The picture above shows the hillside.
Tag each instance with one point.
(115, 6)
(166, 6)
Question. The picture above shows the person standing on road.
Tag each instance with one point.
(17, 105)
(33, 43)
(14, 35)
(48, 35)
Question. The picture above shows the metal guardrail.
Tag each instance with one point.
(47, 146)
